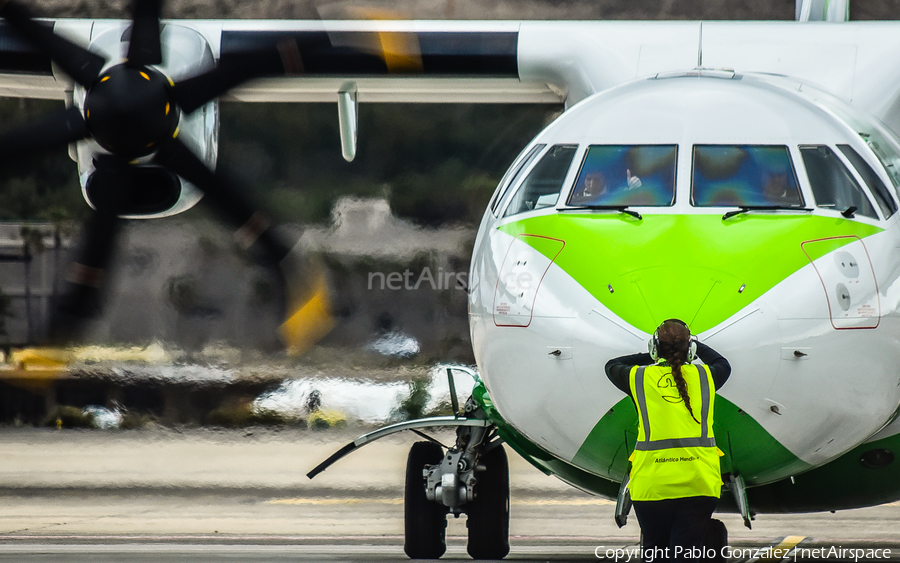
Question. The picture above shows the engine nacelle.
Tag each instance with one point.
(156, 192)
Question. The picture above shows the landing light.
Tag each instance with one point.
(876, 459)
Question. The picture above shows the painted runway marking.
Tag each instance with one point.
(785, 546)
(528, 502)
(331, 501)
(256, 538)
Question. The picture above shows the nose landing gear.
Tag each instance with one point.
(471, 478)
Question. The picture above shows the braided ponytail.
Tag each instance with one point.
(674, 342)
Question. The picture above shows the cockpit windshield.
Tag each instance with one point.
(744, 176)
(626, 175)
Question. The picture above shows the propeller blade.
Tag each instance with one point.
(144, 48)
(76, 61)
(82, 297)
(280, 59)
(227, 199)
(308, 316)
(49, 132)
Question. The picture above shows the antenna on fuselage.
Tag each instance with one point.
(700, 48)
(822, 11)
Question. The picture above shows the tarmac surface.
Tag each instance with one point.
(242, 495)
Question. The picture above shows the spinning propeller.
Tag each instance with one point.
(132, 110)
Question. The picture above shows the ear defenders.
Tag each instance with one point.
(653, 344)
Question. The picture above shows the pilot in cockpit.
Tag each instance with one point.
(777, 192)
(594, 185)
(596, 190)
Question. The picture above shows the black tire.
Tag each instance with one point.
(716, 539)
(488, 514)
(425, 521)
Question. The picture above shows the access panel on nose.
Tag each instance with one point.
(523, 269)
(848, 280)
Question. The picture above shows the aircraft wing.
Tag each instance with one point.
(384, 61)
(509, 62)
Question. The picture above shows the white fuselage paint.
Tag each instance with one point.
(840, 393)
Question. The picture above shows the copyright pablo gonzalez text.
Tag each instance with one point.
(763, 553)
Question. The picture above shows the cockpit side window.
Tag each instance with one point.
(744, 176)
(832, 184)
(879, 190)
(887, 152)
(626, 175)
(512, 175)
(542, 186)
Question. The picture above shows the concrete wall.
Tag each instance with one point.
(42, 270)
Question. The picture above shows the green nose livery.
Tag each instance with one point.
(699, 268)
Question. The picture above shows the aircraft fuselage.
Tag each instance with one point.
(760, 211)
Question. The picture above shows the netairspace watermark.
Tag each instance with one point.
(426, 278)
(513, 282)
(756, 553)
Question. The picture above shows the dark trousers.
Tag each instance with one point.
(674, 529)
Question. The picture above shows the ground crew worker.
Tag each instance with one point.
(675, 475)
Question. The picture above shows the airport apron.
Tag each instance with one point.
(674, 457)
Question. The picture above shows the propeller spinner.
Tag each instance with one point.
(128, 110)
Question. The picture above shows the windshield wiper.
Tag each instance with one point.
(619, 208)
(746, 208)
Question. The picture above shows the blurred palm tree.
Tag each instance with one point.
(32, 243)
(5, 311)
(64, 225)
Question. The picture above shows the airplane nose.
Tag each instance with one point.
(696, 295)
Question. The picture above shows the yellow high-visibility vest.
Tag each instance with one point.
(674, 457)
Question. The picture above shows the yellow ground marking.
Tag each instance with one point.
(528, 502)
(330, 501)
(782, 549)
(562, 502)
(790, 542)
